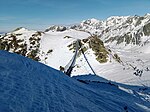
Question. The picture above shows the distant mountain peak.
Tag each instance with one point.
(147, 14)
(117, 17)
(20, 28)
(91, 21)
(56, 28)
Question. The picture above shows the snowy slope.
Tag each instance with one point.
(112, 70)
(58, 42)
(132, 60)
(29, 86)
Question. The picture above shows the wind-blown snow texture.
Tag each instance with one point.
(29, 86)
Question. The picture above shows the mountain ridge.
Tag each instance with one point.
(118, 28)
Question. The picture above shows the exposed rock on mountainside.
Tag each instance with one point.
(20, 43)
(94, 43)
(98, 47)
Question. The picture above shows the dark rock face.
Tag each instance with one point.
(56, 28)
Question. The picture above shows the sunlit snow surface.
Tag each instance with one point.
(131, 56)
(29, 86)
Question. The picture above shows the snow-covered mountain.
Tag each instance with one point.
(117, 48)
(30, 86)
(124, 30)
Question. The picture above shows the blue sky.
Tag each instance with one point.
(39, 14)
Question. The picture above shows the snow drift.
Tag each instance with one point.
(29, 86)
